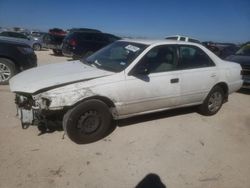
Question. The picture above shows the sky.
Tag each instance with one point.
(206, 20)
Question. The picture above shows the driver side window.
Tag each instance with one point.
(160, 59)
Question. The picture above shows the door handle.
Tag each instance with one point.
(174, 80)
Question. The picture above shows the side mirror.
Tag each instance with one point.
(140, 70)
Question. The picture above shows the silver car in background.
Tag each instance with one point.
(19, 37)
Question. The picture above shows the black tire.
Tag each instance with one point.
(7, 70)
(57, 52)
(216, 94)
(37, 47)
(75, 57)
(87, 122)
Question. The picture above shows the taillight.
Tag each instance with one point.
(72, 42)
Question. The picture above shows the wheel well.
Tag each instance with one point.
(14, 63)
(106, 100)
(224, 86)
(6, 57)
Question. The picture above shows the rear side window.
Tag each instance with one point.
(111, 38)
(6, 34)
(193, 57)
(18, 35)
(100, 38)
(89, 37)
(172, 38)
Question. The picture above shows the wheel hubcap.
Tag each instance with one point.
(89, 122)
(4, 73)
(215, 101)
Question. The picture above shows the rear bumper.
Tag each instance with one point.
(67, 50)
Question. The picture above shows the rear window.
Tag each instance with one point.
(245, 50)
(194, 41)
(85, 36)
(71, 35)
(112, 38)
(4, 34)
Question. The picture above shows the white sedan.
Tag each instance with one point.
(124, 79)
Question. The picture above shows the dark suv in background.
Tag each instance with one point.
(83, 43)
(15, 57)
(222, 50)
(242, 56)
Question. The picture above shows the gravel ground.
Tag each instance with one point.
(174, 149)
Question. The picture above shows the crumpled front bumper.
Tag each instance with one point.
(27, 116)
(26, 111)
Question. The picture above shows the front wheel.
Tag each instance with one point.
(87, 122)
(213, 102)
(37, 47)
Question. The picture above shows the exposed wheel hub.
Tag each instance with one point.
(4, 72)
(89, 122)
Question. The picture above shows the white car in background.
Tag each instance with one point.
(124, 79)
(183, 38)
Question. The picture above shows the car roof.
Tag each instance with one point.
(7, 41)
(177, 36)
(158, 42)
(11, 32)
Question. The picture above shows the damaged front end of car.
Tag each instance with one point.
(34, 110)
(27, 110)
(40, 108)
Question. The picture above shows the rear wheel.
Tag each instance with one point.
(57, 52)
(213, 102)
(7, 70)
(87, 122)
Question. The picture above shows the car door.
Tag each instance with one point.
(153, 83)
(197, 76)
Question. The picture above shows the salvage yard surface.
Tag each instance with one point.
(182, 147)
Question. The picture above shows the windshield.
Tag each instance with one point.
(116, 56)
(245, 50)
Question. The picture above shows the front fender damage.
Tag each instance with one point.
(60, 98)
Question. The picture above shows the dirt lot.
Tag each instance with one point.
(181, 147)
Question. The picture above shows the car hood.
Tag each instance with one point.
(243, 60)
(54, 75)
